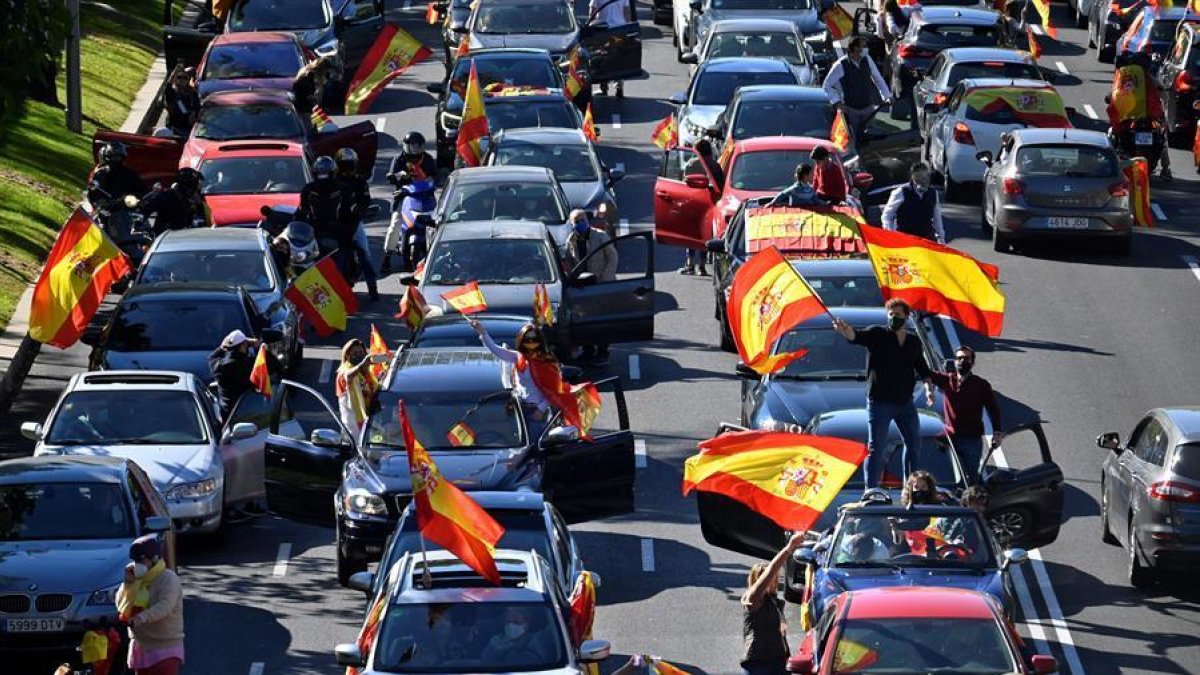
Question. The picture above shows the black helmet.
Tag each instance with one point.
(114, 152)
(347, 161)
(189, 179)
(414, 143)
(324, 166)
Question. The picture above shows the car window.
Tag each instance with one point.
(1186, 462)
(360, 10)
(535, 18)
(828, 355)
(1163, 30)
(767, 170)
(247, 120)
(755, 119)
(935, 68)
(253, 175)
(570, 162)
(951, 35)
(77, 510)
(865, 539)
(301, 413)
(845, 291)
(132, 417)
(155, 326)
(1153, 446)
(247, 269)
(251, 60)
(1066, 160)
(680, 162)
(717, 87)
(926, 645)
(515, 112)
(962, 71)
(492, 421)
(505, 201)
(490, 261)
(143, 507)
(757, 44)
(253, 408)
(278, 15)
(530, 71)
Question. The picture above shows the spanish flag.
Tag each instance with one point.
(543, 311)
(839, 133)
(260, 375)
(574, 83)
(583, 607)
(666, 134)
(320, 118)
(1196, 144)
(474, 125)
(579, 403)
(378, 346)
(221, 7)
(589, 125)
(789, 478)
(935, 278)
(81, 268)
(1035, 48)
(852, 657)
(393, 52)
(467, 299)
(323, 297)
(1043, 10)
(660, 667)
(431, 13)
(1129, 92)
(461, 434)
(370, 628)
(768, 298)
(412, 308)
(464, 47)
(446, 515)
(838, 21)
(1137, 171)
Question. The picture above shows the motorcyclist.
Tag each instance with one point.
(179, 206)
(1133, 75)
(357, 200)
(321, 200)
(113, 180)
(415, 169)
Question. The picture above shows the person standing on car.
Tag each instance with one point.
(352, 235)
(611, 13)
(321, 203)
(182, 102)
(355, 386)
(965, 396)
(518, 375)
(415, 170)
(113, 180)
(895, 360)
(150, 601)
(854, 86)
(230, 365)
(829, 180)
(764, 627)
(178, 207)
(914, 208)
(582, 241)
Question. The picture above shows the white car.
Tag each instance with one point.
(977, 114)
(765, 38)
(168, 423)
(681, 18)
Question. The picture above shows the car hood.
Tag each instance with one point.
(75, 566)
(805, 19)
(246, 209)
(469, 470)
(555, 43)
(985, 581)
(584, 195)
(501, 298)
(167, 465)
(194, 362)
(206, 87)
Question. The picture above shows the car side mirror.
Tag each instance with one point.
(361, 581)
(326, 438)
(715, 246)
(984, 156)
(271, 336)
(560, 436)
(349, 655)
(158, 524)
(584, 279)
(863, 180)
(697, 181)
(1109, 441)
(690, 58)
(594, 651)
(615, 175)
(678, 98)
(746, 371)
(1015, 556)
(804, 556)
(438, 88)
(243, 430)
(1043, 665)
(801, 663)
(32, 430)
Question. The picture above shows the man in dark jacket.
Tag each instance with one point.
(231, 364)
(321, 200)
(113, 180)
(914, 208)
(179, 206)
(965, 396)
(352, 237)
(182, 102)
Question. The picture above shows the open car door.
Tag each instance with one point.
(155, 159)
(683, 194)
(1025, 504)
(615, 51)
(185, 46)
(587, 480)
(361, 137)
(241, 454)
(733, 526)
(305, 449)
(618, 310)
(887, 151)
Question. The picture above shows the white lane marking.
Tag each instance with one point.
(1194, 265)
(380, 124)
(1158, 213)
(281, 560)
(619, 166)
(635, 367)
(1028, 611)
(256, 668)
(326, 371)
(1091, 112)
(623, 227)
(1062, 67)
(616, 122)
(647, 555)
(1056, 614)
(639, 453)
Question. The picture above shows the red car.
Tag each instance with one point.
(240, 177)
(264, 60)
(689, 210)
(226, 116)
(915, 629)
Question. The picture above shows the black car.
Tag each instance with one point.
(454, 15)
(452, 330)
(774, 110)
(1178, 81)
(1107, 22)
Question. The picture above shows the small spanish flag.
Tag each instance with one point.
(320, 118)
(666, 134)
(1043, 10)
(1138, 172)
(839, 134)
(464, 47)
(574, 83)
(767, 299)
(589, 125)
(467, 299)
(431, 13)
(1035, 49)
(838, 21)
(260, 376)
(378, 346)
(412, 308)
(543, 311)
(461, 435)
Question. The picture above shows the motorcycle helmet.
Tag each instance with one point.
(114, 152)
(324, 167)
(189, 179)
(347, 161)
(414, 143)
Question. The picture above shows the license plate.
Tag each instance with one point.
(34, 625)
(1143, 138)
(1068, 223)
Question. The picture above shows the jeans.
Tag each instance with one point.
(880, 415)
(970, 453)
(857, 118)
(363, 251)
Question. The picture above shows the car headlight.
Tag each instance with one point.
(103, 597)
(450, 122)
(361, 501)
(202, 488)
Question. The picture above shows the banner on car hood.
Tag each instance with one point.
(812, 230)
(1035, 107)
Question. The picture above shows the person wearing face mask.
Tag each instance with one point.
(894, 362)
(150, 602)
(230, 364)
(583, 240)
(965, 396)
(914, 208)
(519, 643)
(854, 85)
(764, 627)
(355, 385)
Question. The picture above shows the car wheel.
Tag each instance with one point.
(1140, 576)
(1000, 242)
(1010, 524)
(1106, 534)
(347, 567)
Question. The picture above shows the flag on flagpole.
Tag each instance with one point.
(839, 134)
(378, 346)
(1035, 48)
(260, 375)
(412, 308)
(1043, 10)
(474, 125)
(1137, 171)
(574, 83)
(431, 13)
(467, 299)
(543, 311)
(323, 297)
(838, 21)
(666, 134)
(320, 119)
(589, 125)
(391, 54)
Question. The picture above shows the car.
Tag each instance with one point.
(773, 110)
(439, 331)
(536, 109)
(528, 193)
(64, 553)
(235, 257)
(707, 13)
(979, 112)
(262, 60)
(952, 66)
(661, 12)
(1150, 493)
(713, 86)
(1153, 31)
(169, 423)
(1081, 10)
(258, 115)
(584, 179)
(455, 14)
(175, 326)
(767, 38)
(1178, 81)
(1056, 183)
(421, 589)
(841, 282)
(1107, 22)
(241, 177)
(916, 629)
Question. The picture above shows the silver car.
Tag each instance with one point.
(766, 38)
(952, 66)
(1058, 182)
(713, 86)
(1150, 493)
(527, 193)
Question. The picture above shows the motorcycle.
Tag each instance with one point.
(123, 224)
(415, 203)
(1141, 138)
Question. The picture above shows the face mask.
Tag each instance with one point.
(139, 570)
(582, 227)
(921, 184)
(895, 321)
(514, 630)
(921, 496)
(357, 358)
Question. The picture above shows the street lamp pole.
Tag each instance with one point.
(74, 72)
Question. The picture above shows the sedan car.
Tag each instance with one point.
(774, 110)
(529, 110)
(69, 522)
(1107, 22)
(1150, 493)
(916, 630)
(241, 177)
(1179, 82)
(168, 423)
(705, 14)
(1153, 31)
(766, 38)
(584, 179)
(713, 86)
(452, 330)
(1060, 183)
(262, 60)
(960, 63)
(528, 193)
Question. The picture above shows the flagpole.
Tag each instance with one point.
(427, 577)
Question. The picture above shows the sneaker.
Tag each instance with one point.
(1165, 174)
(687, 270)
(703, 271)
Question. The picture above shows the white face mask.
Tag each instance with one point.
(139, 570)
(514, 630)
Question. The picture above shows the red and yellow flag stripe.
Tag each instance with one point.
(260, 375)
(461, 435)
(412, 308)
(474, 125)
(379, 347)
(666, 134)
(467, 299)
(323, 297)
(543, 311)
(589, 125)
(839, 133)
(1137, 170)
(809, 230)
(391, 54)
(838, 21)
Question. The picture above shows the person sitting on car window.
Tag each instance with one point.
(800, 193)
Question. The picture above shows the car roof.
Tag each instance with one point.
(834, 267)
(509, 563)
(957, 15)
(465, 370)
(552, 96)
(537, 135)
(249, 97)
(503, 174)
(976, 54)
(156, 380)
(252, 37)
(789, 92)
(745, 25)
(253, 148)
(496, 500)
(745, 64)
(997, 82)
(781, 143)
(212, 239)
(180, 291)
(1032, 136)
(501, 52)
(63, 469)
(851, 424)
(919, 602)
(1186, 419)
(470, 230)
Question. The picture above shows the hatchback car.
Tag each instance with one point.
(241, 177)
(1150, 493)
(1056, 182)
(528, 110)
(960, 63)
(1179, 81)
(765, 38)
(169, 423)
(774, 110)
(712, 88)
(529, 193)
(452, 330)
(262, 60)
(1153, 31)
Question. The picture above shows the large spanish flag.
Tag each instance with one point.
(323, 297)
(474, 125)
(579, 403)
(446, 515)
(393, 52)
(811, 230)
(838, 21)
(768, 298)
(789, 478)
(1129, 93)
(467, 299)
(81, 268)
(935, 278)
(1043, 10)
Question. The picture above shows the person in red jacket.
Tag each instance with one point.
(828, 178)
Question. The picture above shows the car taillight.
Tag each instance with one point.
(962, 134)
(1119, 189)
(1170, 491)
(1184, 82)
(911, 51)
(940, 99)
(1012, 186)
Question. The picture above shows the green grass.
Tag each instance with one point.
(42, 165)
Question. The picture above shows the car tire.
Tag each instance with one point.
(1140, 576)
(1106, 534)
(1010, 523)
(1000, 242)
(347, 567)
(1106, 54)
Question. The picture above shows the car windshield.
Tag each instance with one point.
(717, 87)
(529, 18)
(238, 61)
(912, 645)
(257, 15)
(247, 269)
(458, 334)
(490, 261)
(762, 4)
(505, 201)
(1187, 461)
(514, 113)
(1071, 161)
(953, 35)
(865, 539)
(766, 170)
(175, 325)
(783, 118)
(33, 512)
(963, 71)
(253, 175)
(935, 458)
(829, 355)
(529, 71)
(232, 122)
(842, 290)
(524, 530)
(469, 637)
(570, 162)
(763, 44)
(135, 417)
(491, 421)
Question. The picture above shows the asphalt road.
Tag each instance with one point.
(1090, 343)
